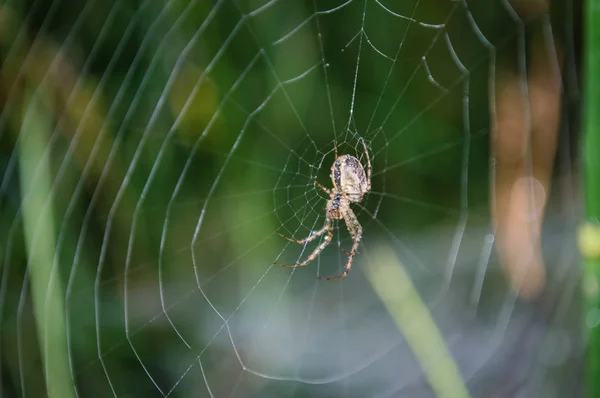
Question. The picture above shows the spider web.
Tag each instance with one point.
(181, 136)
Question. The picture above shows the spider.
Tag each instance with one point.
(350, 184)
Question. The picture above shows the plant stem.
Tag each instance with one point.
(412, 317)
(589, 236)
(39, 227)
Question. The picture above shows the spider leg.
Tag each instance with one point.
(355, 230)
(329, 228)
(346, 252)
(369, 167)
(310, 238)
(323, 188)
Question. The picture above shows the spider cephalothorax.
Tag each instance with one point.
(350, 184)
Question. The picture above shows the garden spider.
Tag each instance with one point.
(350, 184)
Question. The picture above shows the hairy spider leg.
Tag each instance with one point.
(369, 167)
(355, 230)
(310, 238)
(323, 188)
(328, 227)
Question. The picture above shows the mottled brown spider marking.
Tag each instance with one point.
(350, 184)
(336, 172)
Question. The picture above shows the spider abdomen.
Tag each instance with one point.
(348, 176)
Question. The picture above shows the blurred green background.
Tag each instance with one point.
(150, 151)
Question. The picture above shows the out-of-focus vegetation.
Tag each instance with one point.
(589, 236)
(150, 150)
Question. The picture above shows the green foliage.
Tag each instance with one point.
(589, 234)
